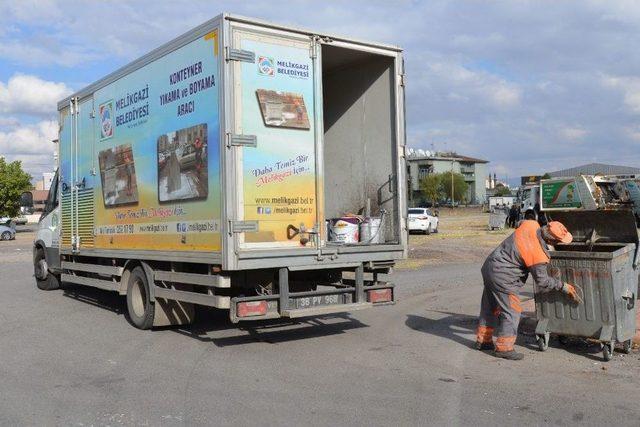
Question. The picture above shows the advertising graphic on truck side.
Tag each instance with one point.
(156, 148)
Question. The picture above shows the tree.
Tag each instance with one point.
(13, 182)
(546, 176)
(502, 190)
(460, 187)
(431, 187)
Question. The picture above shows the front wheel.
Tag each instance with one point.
(45, 280)
(141, 309)
(5, 236)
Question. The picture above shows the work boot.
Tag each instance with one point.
(509, 355)
(483, 346)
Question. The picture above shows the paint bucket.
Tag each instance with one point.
(371, 231)
(344, 230)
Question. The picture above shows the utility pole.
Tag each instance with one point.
(452, 196)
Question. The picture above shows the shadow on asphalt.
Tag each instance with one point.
(452, 327)
(106, 300)
(272, 331)
(455, 326)
(209, 320)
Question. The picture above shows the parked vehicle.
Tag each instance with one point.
(423, 220)
(501, 202)
(8, 222)
(20, 220)
(281, 154)
(7, 233)
(528, 198)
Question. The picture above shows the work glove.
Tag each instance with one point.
(571, 292)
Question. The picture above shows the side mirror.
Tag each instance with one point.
(26, 200)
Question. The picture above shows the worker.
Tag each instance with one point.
(505, 272)
(513, 214)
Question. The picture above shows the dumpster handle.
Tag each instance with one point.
(631, 300)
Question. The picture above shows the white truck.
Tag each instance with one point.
(207, 172)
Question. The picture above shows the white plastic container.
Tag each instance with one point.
(371, 231)
(344, 230)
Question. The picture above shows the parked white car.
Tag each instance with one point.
(423, 220)
(7, 233)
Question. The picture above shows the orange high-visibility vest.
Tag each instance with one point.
(528, 244)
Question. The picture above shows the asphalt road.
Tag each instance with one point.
(69, 357)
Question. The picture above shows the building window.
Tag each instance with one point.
(424, 170)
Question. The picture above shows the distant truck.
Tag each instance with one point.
(211, 171)
(501, 201)
(528, 198)
(591, 192)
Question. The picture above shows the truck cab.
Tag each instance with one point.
(46, 245)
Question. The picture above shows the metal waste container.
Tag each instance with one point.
(498, 218)
(601, 263)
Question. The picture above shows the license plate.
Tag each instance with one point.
(316, 301)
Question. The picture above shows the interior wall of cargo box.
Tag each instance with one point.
(359, 135)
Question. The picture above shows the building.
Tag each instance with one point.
(39, 199)
(596, 169)
(45, 182)
(421, 163)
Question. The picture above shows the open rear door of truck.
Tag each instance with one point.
(275, 140)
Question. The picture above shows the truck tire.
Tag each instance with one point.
(45, 280)
(141, 309)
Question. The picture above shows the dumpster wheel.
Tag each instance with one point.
(607, 350)
(626, 346)
(543, 341)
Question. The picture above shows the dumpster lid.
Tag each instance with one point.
(611, 226)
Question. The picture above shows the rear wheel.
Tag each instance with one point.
(141, 309)
(45, 280)
(5, 235)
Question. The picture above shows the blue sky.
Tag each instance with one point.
(531, 86)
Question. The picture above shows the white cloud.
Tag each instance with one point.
(573, 133)
(32, 145)
(26, 94)
(459, 85)
(630, 87)
(504, 94)
(29, 139)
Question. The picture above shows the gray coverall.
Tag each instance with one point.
(504, 273)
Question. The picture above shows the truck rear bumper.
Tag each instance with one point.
(312, 303)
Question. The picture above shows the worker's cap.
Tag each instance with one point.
(559, 232)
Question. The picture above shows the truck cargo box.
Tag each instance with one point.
(237, 144)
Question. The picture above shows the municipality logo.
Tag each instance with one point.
(265, 66)
(106, 120)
